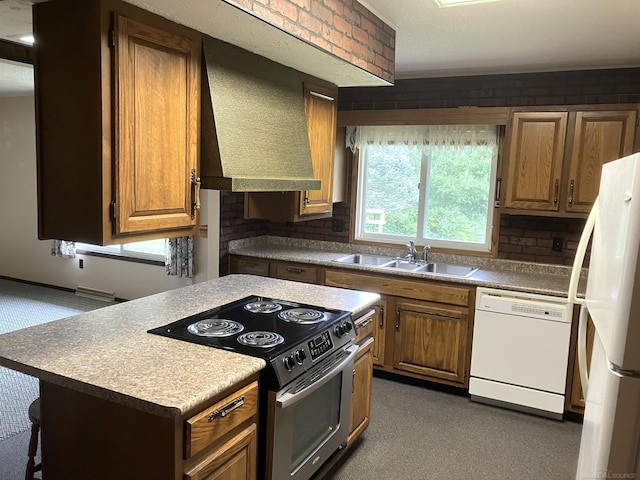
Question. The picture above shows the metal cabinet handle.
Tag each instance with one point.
(227, 409)
(195, 183)
(571, 186)
(249, 264)
(556, 191)
(397, 319)
(498, 191)
(381, 317)
(365, 319)
(295, 270)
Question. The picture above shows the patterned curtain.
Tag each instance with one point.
(61, 248)
(423, 136)
(178, 259)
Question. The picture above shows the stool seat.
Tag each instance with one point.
(34, 417)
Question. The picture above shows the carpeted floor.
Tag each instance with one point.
(24, 305)
(417, 433)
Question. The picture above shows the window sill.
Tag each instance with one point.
(124, 258)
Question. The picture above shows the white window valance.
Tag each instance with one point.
(422, 135)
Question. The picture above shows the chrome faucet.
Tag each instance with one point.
(425, 253)
(411, 252)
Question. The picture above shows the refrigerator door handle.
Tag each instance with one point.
(580, 253)
(582, 349)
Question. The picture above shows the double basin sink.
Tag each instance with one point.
(391, 263)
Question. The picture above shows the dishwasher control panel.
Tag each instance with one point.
(523, 304)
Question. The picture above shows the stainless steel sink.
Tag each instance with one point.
(402, 265)
(364, 259)
(381, 261)
(448, 269)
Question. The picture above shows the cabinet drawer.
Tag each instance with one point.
(365, 326)
(214, 422)
(296, 273)
(250, 266)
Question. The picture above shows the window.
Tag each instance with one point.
(430, 184)
(150, 250)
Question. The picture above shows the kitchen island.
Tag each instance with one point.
(115, 399)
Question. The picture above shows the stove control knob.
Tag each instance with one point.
(300, 356)
(348, 327)
(289, 362)
(340, 330)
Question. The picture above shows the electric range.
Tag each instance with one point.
(291, 337)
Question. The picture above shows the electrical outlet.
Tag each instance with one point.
(81, 263)
(558, 244)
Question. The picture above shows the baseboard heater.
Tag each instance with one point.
(96, 294)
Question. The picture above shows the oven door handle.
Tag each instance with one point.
(288, 399)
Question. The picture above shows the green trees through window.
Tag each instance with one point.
(438, 195)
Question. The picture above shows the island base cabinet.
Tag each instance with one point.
(88, 437)
(235, 460)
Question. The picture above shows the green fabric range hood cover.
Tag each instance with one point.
(254, 132)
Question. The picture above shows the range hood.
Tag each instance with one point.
(254, 132)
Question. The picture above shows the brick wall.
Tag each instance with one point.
(343, 28)
(521, 237)
(553, 88)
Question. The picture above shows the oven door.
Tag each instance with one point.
(309, 418)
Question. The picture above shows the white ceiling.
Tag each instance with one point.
(506, 36)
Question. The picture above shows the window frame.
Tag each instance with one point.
(488, 249)
(119, 252)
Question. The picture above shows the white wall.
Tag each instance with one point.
(24, 257)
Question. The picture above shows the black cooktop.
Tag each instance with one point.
(289, 323)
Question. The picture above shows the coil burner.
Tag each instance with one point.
(302, 315)
(261, 339)
(263, 307)
(215, 327)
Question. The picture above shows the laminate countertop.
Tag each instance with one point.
(542, 279)
(109, 354)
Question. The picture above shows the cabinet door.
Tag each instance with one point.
(361, 393)
(157, 88)
(599, 137)
(535, 160)
(321, 111)
(380, 320)
(431, 340)
(235, 460)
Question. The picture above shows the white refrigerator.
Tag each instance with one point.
(610, 443)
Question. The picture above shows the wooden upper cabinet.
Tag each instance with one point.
(157, 85)
(321, 110)
(117, 122)
(321, 115)
(535, 160)
(599, 137)
(555, 158)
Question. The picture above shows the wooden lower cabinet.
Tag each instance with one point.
(235, 460)
(361, 393)
(297, 272)
(575, 399)
(423, 328)
(377, 351)
(85, 436)
(249, 266)
(431, 340)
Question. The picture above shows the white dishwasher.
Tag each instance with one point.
(520, 351)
